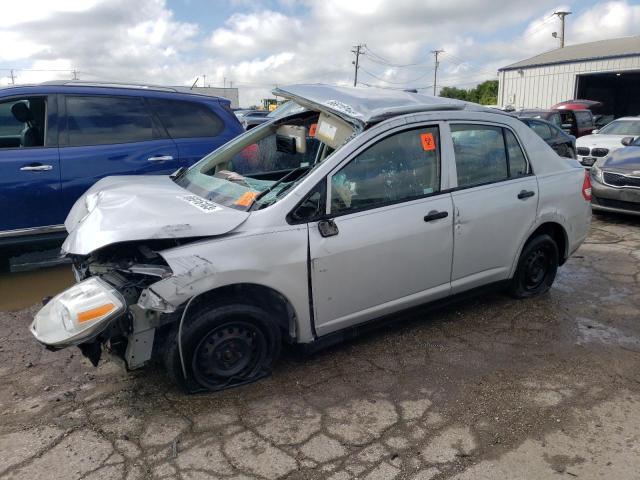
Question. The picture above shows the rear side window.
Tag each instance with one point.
(517, 161)
(184, 119)
(400, 167)
(584, 118)
(541, 129)
(100, 120)
(480, 154)
(486, 154)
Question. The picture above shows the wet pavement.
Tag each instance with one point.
(490, 388)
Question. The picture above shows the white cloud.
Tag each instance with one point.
(293, 41)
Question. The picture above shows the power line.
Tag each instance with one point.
(383, 61)
(391, 81)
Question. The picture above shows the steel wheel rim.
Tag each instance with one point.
(233, 350)
(537, 266)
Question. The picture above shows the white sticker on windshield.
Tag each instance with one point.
(200, 203)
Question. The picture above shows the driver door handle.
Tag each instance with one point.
(160, 158)
(435, 215)
(36, 168)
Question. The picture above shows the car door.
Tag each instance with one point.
(29, 167)
(495, 203)
(106, 135)
(197, 128)
(387, 241)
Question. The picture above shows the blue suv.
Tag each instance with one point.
(57, 139)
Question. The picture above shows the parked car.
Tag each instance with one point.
(602, 143)
(58, 138)
(367, 202)
(616, 180)
(242, 113)
(286, 108)
(563, 143)
(573, 122)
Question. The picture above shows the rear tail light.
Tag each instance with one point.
(586, 187)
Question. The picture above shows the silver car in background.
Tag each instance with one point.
(365, 203)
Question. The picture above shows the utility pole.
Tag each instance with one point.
(75, 74)
(358, 51)
(561, 16)
(204, 80)
(13, 78)
(224, 82)
(435, 70)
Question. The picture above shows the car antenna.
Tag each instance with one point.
(194, 83)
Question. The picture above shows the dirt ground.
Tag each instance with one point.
(490, 388)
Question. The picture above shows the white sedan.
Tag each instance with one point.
(601, 143)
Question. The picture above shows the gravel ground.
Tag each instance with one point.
(490, 388)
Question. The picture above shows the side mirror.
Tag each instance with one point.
(594, 131)
(626, 141)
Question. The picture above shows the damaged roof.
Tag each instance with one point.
(367, 105)
(611, 48)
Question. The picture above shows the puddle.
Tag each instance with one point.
(590, 331)
(22, 289)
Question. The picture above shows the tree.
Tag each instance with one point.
(486, 93)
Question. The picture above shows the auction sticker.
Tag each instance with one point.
(428, 143)
(200, 203)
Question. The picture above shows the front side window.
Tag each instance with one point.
(480, 154)
(23, 122)
(184, 119)
(401, 167)
(100, 120)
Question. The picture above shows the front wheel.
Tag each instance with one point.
(537, 268)
(224, 346)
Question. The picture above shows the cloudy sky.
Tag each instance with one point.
(258, 44)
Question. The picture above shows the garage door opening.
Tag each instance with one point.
(619, 92)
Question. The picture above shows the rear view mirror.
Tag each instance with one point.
(626, 141)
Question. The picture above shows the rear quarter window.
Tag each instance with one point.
(184, 119)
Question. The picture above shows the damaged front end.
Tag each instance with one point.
(101, 311)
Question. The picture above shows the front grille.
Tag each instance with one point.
(617, 180)
(583, 151)
(599, 152)
(607, 202)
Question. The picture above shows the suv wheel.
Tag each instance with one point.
(537, 268)
(223, 347)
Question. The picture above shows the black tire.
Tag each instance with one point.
(537, 268)
(223, 346)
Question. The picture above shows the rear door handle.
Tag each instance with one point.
(435, 215)
(36, 168)
(525, 194)
(160, 158)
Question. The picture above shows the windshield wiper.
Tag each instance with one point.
(178, 173)
(267, 190)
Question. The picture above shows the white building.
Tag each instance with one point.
(606, 70)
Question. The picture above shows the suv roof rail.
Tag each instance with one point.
(81, 83)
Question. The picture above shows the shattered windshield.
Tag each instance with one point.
(256, 169)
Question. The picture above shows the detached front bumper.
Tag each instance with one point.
(614, 199)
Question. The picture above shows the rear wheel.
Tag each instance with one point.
(224, 346)
(537, 267)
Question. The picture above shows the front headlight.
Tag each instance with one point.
(596, 172)
(77, 314)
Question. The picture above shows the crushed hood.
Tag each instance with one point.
(128, 208)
